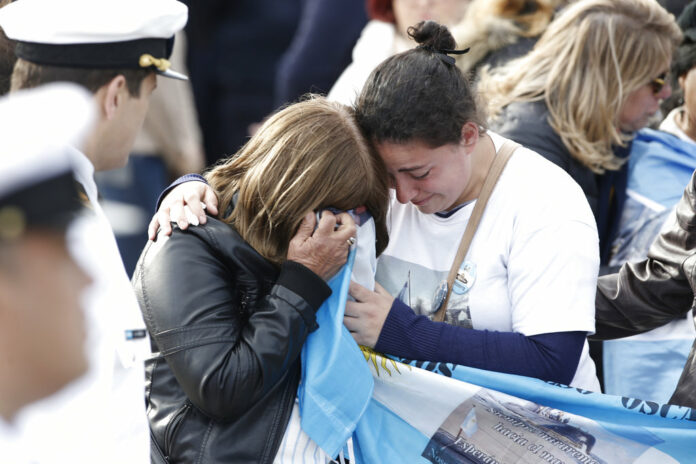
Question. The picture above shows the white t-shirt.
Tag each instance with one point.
(669, 124)
(533, 261)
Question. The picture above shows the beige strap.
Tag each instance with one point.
(494, 172)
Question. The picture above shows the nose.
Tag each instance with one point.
(405, 192)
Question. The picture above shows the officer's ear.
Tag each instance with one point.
(110, 96)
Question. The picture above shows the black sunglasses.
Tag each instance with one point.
(658, 83)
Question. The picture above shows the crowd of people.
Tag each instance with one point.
(517, 182)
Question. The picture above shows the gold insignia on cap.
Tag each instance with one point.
(147, 60)
(12, 223)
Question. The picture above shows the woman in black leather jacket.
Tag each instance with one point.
(228, 306)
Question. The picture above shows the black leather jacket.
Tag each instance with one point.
(227, 328)
(653, 292)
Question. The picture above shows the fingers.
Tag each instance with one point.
(211, 202)
(380, 290)
(365, 319)
(185, 204)
(327, 223)
(347, 225)
(196, 210)
(306, 227)
(152, 228)
(358, 292)
(177, 213)
(161, 220)
(350, 310)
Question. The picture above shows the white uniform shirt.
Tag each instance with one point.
(100, 417)
(10, 449)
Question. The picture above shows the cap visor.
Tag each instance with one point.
(173, 75)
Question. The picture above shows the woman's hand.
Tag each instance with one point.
(324, 250)
(185, 204)
(364, 317)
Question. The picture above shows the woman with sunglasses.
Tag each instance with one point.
(596, 76)
(661, 163)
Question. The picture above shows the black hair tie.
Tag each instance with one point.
(444, 53)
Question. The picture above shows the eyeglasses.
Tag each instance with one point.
(658, 83)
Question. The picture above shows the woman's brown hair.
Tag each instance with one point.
(308, 156)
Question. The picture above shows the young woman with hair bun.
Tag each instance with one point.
(527, 302)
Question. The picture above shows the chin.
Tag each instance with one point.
(115, 162)
(428, 209)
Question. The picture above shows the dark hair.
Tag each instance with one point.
(381, 10)
(418, 94)
(684, 57)
(27, 75)
(7, 61)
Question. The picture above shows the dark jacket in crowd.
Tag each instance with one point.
(527, 123)
(653, 292)
(226, 328)
(321, 48)
(232, 54)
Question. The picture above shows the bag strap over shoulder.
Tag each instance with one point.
(494, 172)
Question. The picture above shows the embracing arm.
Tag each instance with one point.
(552, 356)
(657, 290)
(185, 201)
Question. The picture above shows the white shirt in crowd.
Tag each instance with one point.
(376, 44)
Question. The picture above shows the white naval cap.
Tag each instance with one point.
(40, 128)
(114, 34)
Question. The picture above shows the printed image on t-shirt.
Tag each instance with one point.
(458, 312)
(417, 286)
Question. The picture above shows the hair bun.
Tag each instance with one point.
(430, 34)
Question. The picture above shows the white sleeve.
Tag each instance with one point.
(552, 277)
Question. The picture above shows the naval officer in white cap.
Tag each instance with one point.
(114, 48)
(42, 325)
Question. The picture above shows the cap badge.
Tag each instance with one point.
(147, 60)
(12, 223)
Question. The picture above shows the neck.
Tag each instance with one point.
(686, 123)
(90, 147)
(481, 160)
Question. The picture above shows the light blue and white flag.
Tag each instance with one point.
(443, 413)
(336, 384)
(415, 412)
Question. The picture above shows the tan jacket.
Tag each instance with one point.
(490, 25)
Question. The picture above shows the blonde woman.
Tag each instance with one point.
(596, 75)
(229, 305)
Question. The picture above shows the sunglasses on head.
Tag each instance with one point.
(658, 83)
